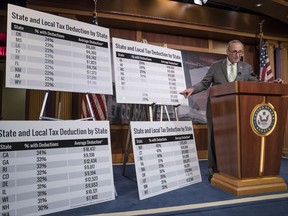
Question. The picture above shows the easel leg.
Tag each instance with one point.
(59, 105)
(128, 143)
(166, 111)
(43, 105)
(176, 112)
(161, 112)
(90, 107)
(151, 112)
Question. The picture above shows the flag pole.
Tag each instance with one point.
(261, 27)
(261, 34)
(95, 104)
(87, 94)
(95, 13)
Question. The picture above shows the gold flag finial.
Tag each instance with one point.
(95, 6)
(261, 28)
(95, 20)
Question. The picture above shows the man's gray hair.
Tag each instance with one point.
(234, 41)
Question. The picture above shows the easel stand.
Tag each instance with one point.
(44, 104)
(167, 113)
(41, 116)
(150, 108)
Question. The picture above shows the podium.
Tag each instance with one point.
(249, 121)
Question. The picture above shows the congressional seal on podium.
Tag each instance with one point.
(263, 119)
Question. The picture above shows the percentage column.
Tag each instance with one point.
(161, 166)
(143, 78)
(41, 170)
(49, 62)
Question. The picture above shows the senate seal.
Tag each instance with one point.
(263, 119)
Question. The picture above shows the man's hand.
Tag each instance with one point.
(187, 92)
(279, 80)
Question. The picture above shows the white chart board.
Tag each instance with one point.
(165, 156)
(48, 52)
(51, 166)
(147, 74)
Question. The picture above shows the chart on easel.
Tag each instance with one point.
(147, 74)
(51, 166)
(48, 52)
(165, 156)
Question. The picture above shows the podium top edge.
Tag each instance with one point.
(245, 87)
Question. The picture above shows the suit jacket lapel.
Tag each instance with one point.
(240, 67)
(224, 69)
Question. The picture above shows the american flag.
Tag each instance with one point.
(266, 73)
(98, 101)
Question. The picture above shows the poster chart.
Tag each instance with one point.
(147, 74)
(51, 166)
(165, 156)
(48, 52)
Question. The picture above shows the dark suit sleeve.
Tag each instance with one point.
(212, 76)
(205, 83)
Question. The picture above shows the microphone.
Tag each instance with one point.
(254, 75)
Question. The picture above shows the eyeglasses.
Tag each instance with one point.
(235, 52)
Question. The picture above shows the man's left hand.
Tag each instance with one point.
(278, 80)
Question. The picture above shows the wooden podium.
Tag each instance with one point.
(249, 121)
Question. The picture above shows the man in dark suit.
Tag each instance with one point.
(228, 70)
